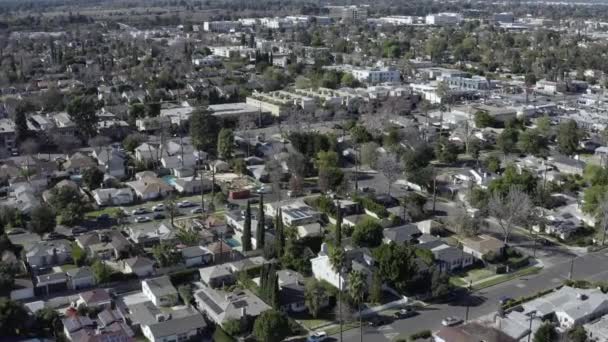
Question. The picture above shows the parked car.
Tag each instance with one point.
(139, 211)
(158, 207)
(158, 216)
(79, 230)
(185, 204)
(318, 336)
(103, 217)
(451, 321)
(198, 210)
(141, 219)
(379, 320)
(405, 313)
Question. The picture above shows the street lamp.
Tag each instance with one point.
(532, 316)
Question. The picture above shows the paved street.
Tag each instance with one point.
(589, 267)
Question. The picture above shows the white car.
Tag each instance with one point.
(317, 337)
(141, 219)
(198, 210)
(139, 211)
(185, 204)
(451, 321)
(158, 207)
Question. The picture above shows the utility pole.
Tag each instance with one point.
(533, 315)
(340, 300)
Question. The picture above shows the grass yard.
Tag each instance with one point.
(347, 326)
(474, 275)
(506, 277)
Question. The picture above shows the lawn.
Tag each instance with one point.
(68, 267)
(506, 277)
(474, 275)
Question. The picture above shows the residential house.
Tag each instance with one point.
(359, 259)
(447, 258)
(78, 162)
(112, 196)
(402, 234)
(217, 276)
(221, 306)
(74, 324)
(291, 295)
(104, 245)
(221, 252)
(95, 299)
(146, 153)
(112, 161)
(150, 188)
(160, 291)
(568, 165)
(140, 266)
(149, 235)
(482, 244)
(48, 253)
(81, 278)
(158, 325)
(51, 283)
(196, 256)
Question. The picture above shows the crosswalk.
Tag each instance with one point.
(388, 332)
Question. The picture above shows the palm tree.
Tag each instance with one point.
(357, 287)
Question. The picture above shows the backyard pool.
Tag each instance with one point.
(232, 242)
(169, 179)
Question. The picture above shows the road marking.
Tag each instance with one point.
(385, 327)
(521, 286)
(391, 336)
(556, 280)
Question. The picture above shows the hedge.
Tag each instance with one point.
(185, 276)
(421, 334)
(372, 206)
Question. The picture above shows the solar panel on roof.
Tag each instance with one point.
(210, 303)
(240, 304)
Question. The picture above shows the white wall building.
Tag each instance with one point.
(445, 18)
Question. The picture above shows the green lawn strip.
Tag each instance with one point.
(506, 277)
(345, 327)
(314, 323)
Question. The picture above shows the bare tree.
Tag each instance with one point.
(391, 168)
(99, 141)
(511, 209)
(65, 143)
(275, 174)
(369, 154)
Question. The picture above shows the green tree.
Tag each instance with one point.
(261, 228)
(578, 334)
(492, 163)
(133, 140)
(8, 271)
(43, 220)
(137, 110)
(279, 238)
(13, 318)
(204, 130)
(79, 256)
(101, 272)
(315, 297)
(568, 137)
(531, 142)
(375, 293)
(357, 289)
(327, 159)
(483, 119)
(82, 112)
(360, 134)
(507, 140)
(185, 293)
(348, 80)
(246, 237)
(543, 126)
(225, 143)
(396, 265)
(446, 151)
(165, 255)
(92, 177)
(330, 178)
(367, 233)
(545, 333)
(48, 321)
(21, 130)
(69, 204)
(271, 325)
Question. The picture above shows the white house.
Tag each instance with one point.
(182, 324)
(160, 291)
(140, 266)
(112, 196)
(80, 278)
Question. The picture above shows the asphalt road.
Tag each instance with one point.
(484, 302)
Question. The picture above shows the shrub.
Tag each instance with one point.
(421, 335)
(182, 277)
(372, 206)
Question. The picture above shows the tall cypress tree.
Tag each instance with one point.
(274, 292)
(279, 234)
(338, 230)
(246, 239)
(260, 233)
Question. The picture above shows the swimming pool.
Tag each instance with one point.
(232, 242)
(169, 179)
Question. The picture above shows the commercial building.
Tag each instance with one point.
(221, 26)
(278, 102)
(235, 110)
(504, 17)
(232, 51)
(445, 18)
(469, 83)
(370, 75)
(348, 13)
